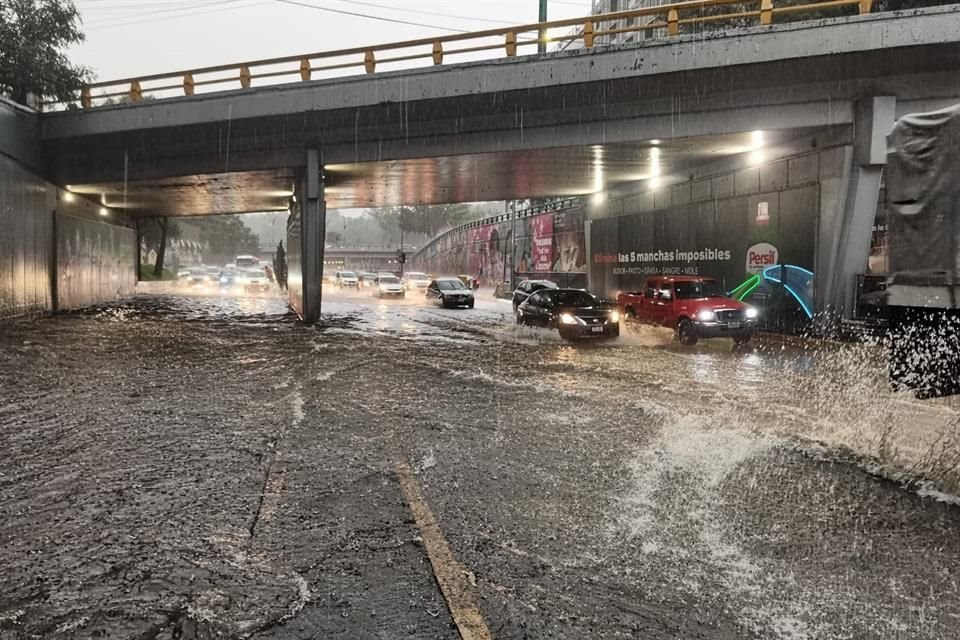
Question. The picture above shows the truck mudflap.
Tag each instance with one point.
(924, 350)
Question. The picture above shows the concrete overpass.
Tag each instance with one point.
(576, 122)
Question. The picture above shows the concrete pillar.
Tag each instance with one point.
(850, 230)
(313, 211)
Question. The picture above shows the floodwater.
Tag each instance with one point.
(201, 466)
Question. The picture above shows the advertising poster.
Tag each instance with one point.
(729, 239)
(547, 245)
(542, 233)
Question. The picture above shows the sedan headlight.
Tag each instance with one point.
(567, 318)
(751, 313)
(706, 316)
(614, 316)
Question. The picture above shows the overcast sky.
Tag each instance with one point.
(138, 37)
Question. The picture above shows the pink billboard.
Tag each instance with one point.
(541, 228)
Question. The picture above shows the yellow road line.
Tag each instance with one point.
(450, 574)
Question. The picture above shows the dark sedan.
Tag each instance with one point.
(573, 312)
(527, 287)
(450, 292)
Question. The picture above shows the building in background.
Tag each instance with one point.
(613, 6)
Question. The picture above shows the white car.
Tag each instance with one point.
(254, 280)
(345, 279)
(415, 280)
(388, 285)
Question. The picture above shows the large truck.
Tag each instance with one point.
(923, 289)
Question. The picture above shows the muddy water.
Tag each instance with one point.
(202, 466)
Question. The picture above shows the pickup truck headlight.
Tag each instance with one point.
(751, 313)
(706, 316)
(614, 316)
(567, 318)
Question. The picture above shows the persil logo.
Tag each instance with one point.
(760, 256)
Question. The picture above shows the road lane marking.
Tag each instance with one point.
(449, 573)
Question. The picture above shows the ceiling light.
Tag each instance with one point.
(104, 212)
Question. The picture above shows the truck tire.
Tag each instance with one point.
(687, 333)
(630, 313)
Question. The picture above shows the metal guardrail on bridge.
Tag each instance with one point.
(669, 19)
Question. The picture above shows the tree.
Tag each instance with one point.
(227, 237)
(155, 234)
(33, 36)
(428, 220)
(280, 266)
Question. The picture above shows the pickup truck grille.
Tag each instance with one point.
(729, 315)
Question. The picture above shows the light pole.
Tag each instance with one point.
(542, 39)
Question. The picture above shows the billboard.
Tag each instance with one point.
(547, 245)
(730, 239)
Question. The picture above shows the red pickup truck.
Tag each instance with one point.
(694, 306)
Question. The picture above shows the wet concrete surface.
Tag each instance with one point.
(204, 467)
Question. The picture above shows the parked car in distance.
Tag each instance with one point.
(366, 279)
(503, 291)
(450, 292)
(414, 280)
(345, 279)
(575, 313)
(694, 306)
(387, 285)
(254, 281)
(526, 288)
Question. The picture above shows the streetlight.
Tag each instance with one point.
(542, 39)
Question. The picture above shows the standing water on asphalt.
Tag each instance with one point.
(222, 471)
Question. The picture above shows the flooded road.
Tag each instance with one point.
(202, 466)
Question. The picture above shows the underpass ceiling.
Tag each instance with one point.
(513, 175)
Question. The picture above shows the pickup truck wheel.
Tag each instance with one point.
(519, 318)
(687, 333)
(630, 313)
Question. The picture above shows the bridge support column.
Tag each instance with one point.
(313, 236)
(306, 232)
(846, 237)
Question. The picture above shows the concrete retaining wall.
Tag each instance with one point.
(56, 251)
(26, 227)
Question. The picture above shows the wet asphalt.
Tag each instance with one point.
(202, 466)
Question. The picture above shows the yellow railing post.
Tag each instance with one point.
(136, 93)
(85, 100)
(866, 6)
(511, 43)
(369, 61)
(673, 22)
(188, 84)
(245, 77)
(588, 34)
(766, 11)
(437, 52)
(305, 69)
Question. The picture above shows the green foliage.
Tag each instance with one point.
(428, 220)
(227, 236)
(33, 37)
(151, 231)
